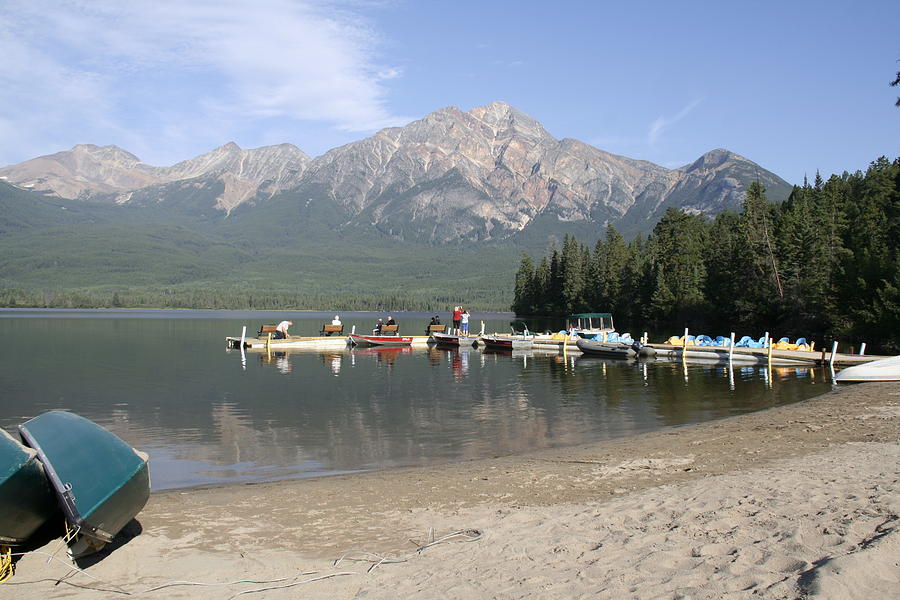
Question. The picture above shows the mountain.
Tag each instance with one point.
(109, 173)
(490, 174)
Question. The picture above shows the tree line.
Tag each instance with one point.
(823, 265)
(237, 299)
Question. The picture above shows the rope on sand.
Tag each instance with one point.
(466, 535)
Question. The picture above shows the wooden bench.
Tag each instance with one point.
(435, 328)
(328, 329)
(265, 330)
(390, 329)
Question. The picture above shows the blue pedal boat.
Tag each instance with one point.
(101, 483)
(26, 500)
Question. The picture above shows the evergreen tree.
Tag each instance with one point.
(524, 298)
(678, 248)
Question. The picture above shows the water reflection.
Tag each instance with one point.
(208, 415)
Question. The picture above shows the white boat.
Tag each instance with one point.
(886, 369)
(590, 325)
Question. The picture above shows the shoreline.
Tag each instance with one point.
(560, 522)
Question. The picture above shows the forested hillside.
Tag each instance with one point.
(825, 264)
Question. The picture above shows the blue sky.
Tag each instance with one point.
(794, 86)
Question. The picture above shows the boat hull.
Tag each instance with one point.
(506, 343)
(611, 350)
(26, 500)
(451, 341)
(101, 483)
(886, 369)
(380, 340)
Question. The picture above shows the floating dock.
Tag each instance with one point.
(760, 355)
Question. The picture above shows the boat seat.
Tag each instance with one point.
(328, 329)
(389, 329)
(435, 328)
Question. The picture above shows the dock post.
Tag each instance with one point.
(833, 352)
(767, 340)
(243, 335)
(684, 346)
(646, 339)
(862, 349)
(731, 348)
(353, 330)
(770, 355)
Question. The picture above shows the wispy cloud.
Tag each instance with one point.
(172, 66)
(662, 124)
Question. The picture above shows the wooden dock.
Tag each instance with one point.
(761, 355)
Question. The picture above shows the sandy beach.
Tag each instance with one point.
(800, 501)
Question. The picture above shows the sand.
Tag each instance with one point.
(801, 501)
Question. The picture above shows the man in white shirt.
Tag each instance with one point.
(281, 330)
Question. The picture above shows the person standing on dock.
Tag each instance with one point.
(281, 330)
(464, 322)
(457, 317)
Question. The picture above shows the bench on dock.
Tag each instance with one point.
(328, 329)
(390, 329)
(265, 331)
(435, 328)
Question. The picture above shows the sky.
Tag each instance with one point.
(798, 87)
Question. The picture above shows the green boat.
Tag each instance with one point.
(26, 500)
(101, 483)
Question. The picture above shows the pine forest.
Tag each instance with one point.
(825, 265)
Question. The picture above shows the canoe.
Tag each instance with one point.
(26, 500)
(612, 350)
(886, 369)
(498, 342)
(380, 340)
(101, 483)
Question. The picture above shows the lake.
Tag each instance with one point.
(164, 381)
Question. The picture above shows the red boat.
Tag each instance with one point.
(497, 342)
(380, 340)
(447, 339)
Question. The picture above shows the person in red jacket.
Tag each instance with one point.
(457, 317)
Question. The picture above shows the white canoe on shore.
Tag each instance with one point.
(886, 369)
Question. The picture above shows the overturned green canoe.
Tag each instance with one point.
(100, 481)
(26, 500)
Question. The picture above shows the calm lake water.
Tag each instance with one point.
(164, 382)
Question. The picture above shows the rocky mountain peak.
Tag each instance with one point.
(713, 160)
(107, 154)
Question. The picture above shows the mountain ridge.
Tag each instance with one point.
(485, 174)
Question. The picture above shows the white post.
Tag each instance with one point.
(482, 329)
(645, 339)
(766, 345)
(833, 352)
(862, 349)
(731, 347)
(353, 330)
(243, 356)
